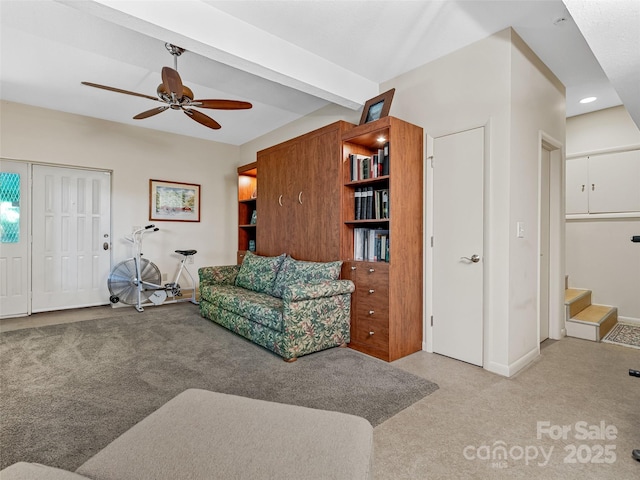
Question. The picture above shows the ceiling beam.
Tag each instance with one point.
(202, 29)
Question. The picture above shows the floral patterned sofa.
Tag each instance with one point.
(289, 306)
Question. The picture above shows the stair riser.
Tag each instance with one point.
(608, 324)
(579, 304)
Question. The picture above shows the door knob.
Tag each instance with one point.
(473, 259)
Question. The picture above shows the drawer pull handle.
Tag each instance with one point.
(371, 333)
(371, 312)
(371, 290)
(371, 270)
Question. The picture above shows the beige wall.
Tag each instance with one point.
(600, 256)
(497, 82)
(135, 155)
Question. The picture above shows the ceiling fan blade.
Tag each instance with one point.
(151, 113)
(222, 104)
(202, 118)
(118, 90)
(172, 81)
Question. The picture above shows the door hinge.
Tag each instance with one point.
(432, 320)
(430, 157)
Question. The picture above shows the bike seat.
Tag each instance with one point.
(186, 253)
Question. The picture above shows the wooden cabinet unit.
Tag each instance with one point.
(300, 187)
(247, 192)
(307, 208)
(387, 307)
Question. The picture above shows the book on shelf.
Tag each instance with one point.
(364, 167)
(385, 159)
(370, 204)
(371, 244)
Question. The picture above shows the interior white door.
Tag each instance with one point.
(71, 238)
(14, 238)
(545, 215)
(458, 187)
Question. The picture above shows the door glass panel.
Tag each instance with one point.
(9, 207)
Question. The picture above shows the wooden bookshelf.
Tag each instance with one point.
(387, 306)
(247, 204)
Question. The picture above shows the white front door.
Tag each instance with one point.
(71, 238)
(458, 187)
(14, 238)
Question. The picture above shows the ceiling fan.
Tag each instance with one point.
(177, 96)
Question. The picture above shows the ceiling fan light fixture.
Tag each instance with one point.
(165, 95)
(178, 96)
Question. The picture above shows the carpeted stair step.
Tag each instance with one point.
(593, 322)
(576, 300)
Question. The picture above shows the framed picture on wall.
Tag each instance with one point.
(174, 201)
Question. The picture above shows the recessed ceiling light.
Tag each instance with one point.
(588, 99)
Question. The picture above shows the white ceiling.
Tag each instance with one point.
(290, 58)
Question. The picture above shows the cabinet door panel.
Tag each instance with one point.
(316, 199)
(577, 186)
(614, 182)
(274, 202)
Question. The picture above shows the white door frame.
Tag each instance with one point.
(427, 341)
(30, 165)
(25, 227)
(556, 258)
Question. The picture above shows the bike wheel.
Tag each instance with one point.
(122, 280)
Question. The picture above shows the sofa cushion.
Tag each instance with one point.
(259, 273)
(208, 435)
(257, 307)
(35, 471)
(298, 271)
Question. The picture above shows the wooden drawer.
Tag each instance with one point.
(371, 332)
(372, 306)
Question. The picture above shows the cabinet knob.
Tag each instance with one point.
(371, 290)
(280, 200)
(371, 270)
(353, 268)
(300, 198)
(371, 312)
(371, 333)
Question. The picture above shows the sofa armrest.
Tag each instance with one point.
(220, 275)
(310, 291)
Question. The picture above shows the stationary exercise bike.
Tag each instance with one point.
(137, 281)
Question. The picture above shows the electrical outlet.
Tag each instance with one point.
(190, 259)
(164, 277)
(134, 228)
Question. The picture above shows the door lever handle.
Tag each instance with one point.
(473, 259)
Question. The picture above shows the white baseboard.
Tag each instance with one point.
(635, 321)
(514, 367)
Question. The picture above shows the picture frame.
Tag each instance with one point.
(377, 107)
(174, 201)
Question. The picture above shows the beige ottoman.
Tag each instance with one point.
(207, 435)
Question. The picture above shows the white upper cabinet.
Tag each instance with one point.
(607, 183)
(577, 185)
